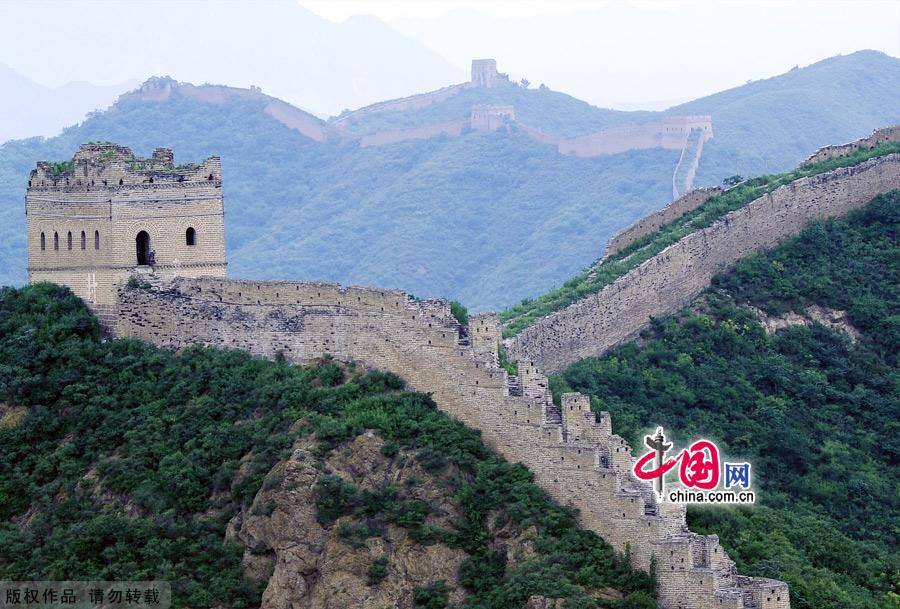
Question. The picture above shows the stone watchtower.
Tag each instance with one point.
(108, 215)
(485, 74)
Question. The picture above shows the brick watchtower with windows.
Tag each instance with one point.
(107, 215)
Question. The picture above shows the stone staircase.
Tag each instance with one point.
(147, 275)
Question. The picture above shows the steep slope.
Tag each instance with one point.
(677, 258)
(790, 360)
(395, 503)
(28, 109)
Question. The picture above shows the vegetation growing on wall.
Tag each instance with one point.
(122, 461)
(817, 414)
(611, 268)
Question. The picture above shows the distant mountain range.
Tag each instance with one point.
(486, 217)
(28, 108)
(278, 45)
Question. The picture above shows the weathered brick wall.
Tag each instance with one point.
(574, 456)
(668, 281)
(879, 136)
(651, 222)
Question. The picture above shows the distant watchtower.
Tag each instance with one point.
(485, 74)
(107, 215)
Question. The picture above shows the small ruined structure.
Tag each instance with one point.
(108, 215)
(490, 117)
(485, 74)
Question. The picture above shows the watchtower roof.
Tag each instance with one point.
(116, 165)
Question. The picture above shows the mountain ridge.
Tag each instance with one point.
(525, 217)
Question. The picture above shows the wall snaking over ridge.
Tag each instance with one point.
(573, 453)
(668, 281)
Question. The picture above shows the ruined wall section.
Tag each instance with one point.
(879, 136)
(668, 281)
(574, 455)
(652, 222)
(161, 89)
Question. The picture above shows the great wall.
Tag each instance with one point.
(574, 455)
(666, 282)
(686, 134)
(573, 452)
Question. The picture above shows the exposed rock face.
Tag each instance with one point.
(309, 566)
(830, 318)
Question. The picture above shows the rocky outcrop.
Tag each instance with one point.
(309, 566)
(834, 319)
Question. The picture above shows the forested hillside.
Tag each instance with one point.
(121, 461)
(815, 408)
(483, 218)
(486, 218)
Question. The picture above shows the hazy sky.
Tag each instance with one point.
(622, 52)
(327, 55)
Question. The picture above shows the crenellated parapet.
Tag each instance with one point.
(108, 214)
(572, 450)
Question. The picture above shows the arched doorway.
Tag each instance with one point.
(142, 242)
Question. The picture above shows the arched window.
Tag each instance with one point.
(69, 240)
(83, 241)
(190, 236)
(56, 241)
(96, 239)
(121, 181)
(43, 242)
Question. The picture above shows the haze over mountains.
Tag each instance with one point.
(287, 50)
(488, 218)
(30, 109)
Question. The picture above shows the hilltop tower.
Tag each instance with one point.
(107, 215)
(485, 74)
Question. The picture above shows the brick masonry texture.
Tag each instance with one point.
(879, 136)
(668, 281)
(83, 223)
